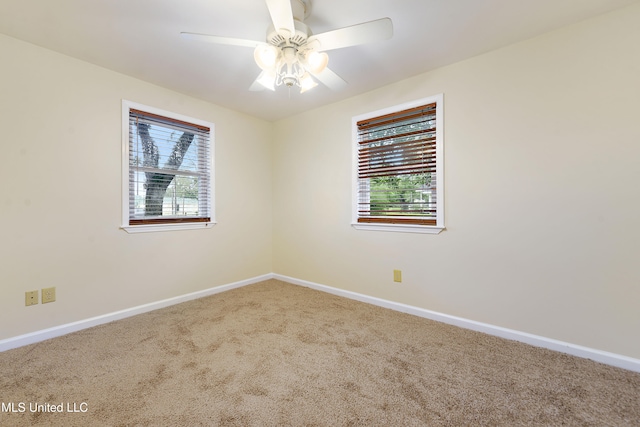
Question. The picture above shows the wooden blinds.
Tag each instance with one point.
(397, 167)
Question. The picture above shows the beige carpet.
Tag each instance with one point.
(279, 354)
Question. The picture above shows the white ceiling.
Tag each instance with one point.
(141, 38)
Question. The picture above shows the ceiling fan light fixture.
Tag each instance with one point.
(266, 56)
(268, 80)
(316, 62)
(307, 83)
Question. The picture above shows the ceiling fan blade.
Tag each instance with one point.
(330, 79)
(221, 40)
(367, 32)
(281, 15)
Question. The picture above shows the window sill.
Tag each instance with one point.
(399, 228)
(151, 228)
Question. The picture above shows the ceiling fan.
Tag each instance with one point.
(292, 54)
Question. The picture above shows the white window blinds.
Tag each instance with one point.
(169, 170)
(397, 167)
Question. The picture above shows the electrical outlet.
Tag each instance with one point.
(48, 295)
(30, 298)
(397, 276)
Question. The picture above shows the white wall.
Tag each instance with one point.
(60, 203)
(542, 173)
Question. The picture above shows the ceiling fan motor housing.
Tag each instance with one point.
(282, 38)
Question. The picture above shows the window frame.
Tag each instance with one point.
(183, 224)
(399, 227)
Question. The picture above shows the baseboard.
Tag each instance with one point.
(45, 334)
(607, 358)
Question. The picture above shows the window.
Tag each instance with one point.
(167, 175)
(398, 168)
